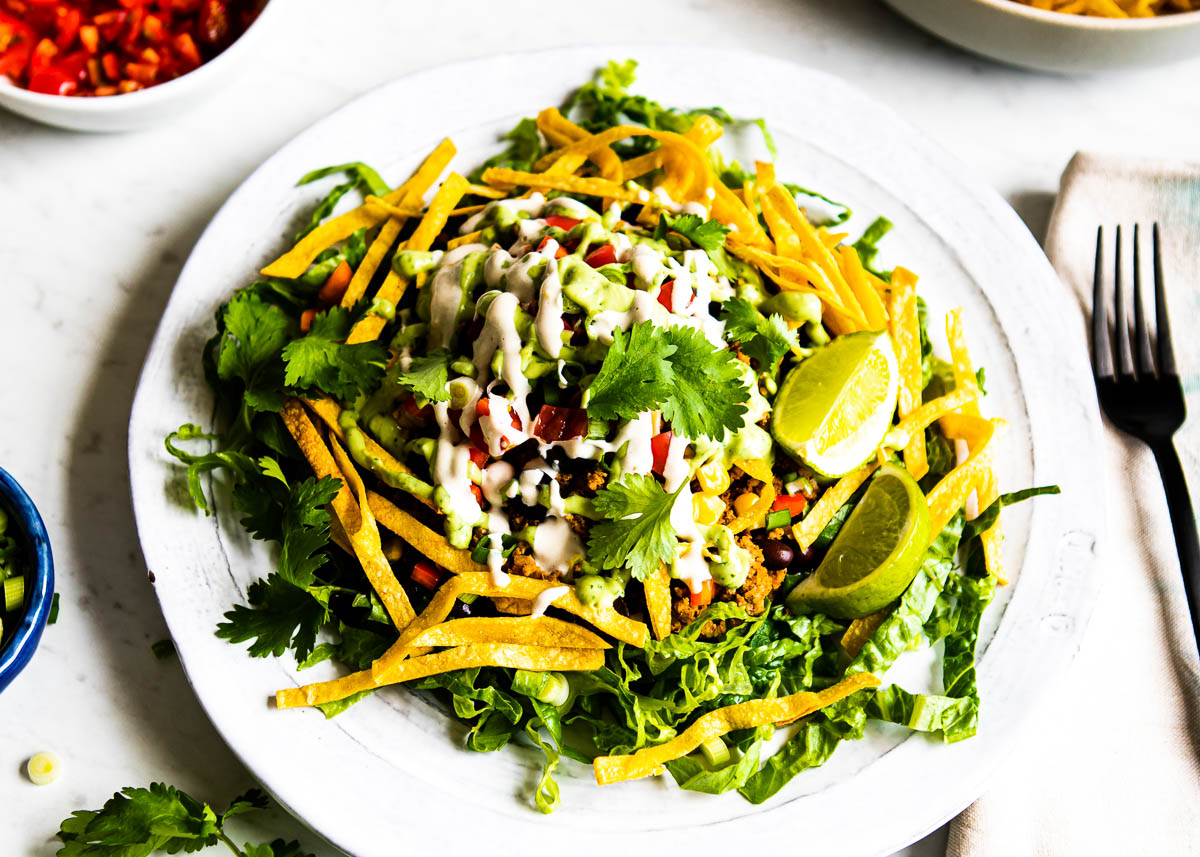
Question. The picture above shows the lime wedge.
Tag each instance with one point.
(833, 409)
(875, 556)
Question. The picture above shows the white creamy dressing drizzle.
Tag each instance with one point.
(570, 207)
(665, 202)
(517, 278)
(549, 321)
(690, 565)
(450, 468)
(606, 321)
(446, 295)
(497, 475)
(555, 545)
(676, 471)
(647, 264)
(637, 434)
(532, 204)
(500, 334)
(498, 430)
(696, 279)
(622, 246)
(694, 208)
(545, 598)
(497, 262)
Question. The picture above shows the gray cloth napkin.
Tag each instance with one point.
(1111, 764)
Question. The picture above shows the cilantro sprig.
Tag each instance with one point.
(696, 384)
(764, 340)
(427, 376)
(322, 360)
(708, 235)
(637, 532)
(137, 822)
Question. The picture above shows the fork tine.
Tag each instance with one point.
(1101, 347)
(1142, 353)
(1166, 354)
(1121, 317)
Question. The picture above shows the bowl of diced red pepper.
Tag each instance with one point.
(110, 65)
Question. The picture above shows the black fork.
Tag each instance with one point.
(1143, 397)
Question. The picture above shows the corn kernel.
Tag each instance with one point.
(743, 503)
(714, 478)
(706, 509)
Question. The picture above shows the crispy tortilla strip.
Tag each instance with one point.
(403, 212)
(503, 177)
(383, 242)
(951, 493)
(758, 512)
(987, 490)
(356, 519)
(540, 658)
(296, 261)
(926, 415)
(704, 132)
(826, 507)
(658, 601)
(469, 238)
(789, 274)
(906, 340)
(432, 544)
(864, 292)
(338, 536)
(863, 629)
(484, 191)
(512, 606)
(744, 715)
(329, 411)
(764, 175)
(605, 618)
(431, 225)
(561, 131)
(519, 630)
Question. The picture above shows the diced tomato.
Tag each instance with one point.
(558, 254)
(794, 503)
(152, 28)
(143, 73)
(67, 21)
(555, 423)
(660, 445)
(425, 574)
(44, 53)
(478, 492)
(306, 319)
(20, 40)
(52, 81)
(409, 407)
(705, 596)
(566, 224)
(666, 294)
(479, 457)
(483, 408)
(89, 37)
(478, 440)
(109, 63)
(604, 255)
(187, 50)
(335, 286)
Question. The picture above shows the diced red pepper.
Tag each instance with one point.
(187, 50)
(110, 24)
(44, 53)
(794, 503)
(409, 407)
(666, 293)
(152, 28)
(67, 21)
(566, 224)
(705, 596)
(108, 62)
(558, 254)
(426, 574)
(604, 255)
(554, 423)
(660, 445)
(335, 286)
(306, 319)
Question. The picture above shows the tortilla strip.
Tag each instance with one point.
(658, 601)
(864, 293)
(863, 629)
(986, 491)
(759, 510)
(329, 411)
(933, 410)
(469, 238)
(789, 274)
(906, 340)
(355, 519)
(704, 132)
(512, 606)
(383, 242)
(295, 262)
(431, 544)
(369, 327)
(744, 715)
(518, 630)
(951, 493)
(561, 131)
(503, 177)
(513, 656)
(827, 505)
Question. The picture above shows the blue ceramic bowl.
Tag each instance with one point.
(23, 518)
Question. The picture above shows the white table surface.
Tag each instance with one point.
(95, 228)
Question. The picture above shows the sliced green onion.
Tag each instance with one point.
(715, 751)
(779, 518)
(42, 768)
(14, 593)
(468, 597)
(547, 687)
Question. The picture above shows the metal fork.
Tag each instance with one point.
(1144, 397)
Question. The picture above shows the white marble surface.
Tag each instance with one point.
(95, 229)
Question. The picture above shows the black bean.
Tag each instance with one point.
(777, 554)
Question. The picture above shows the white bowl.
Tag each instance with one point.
(144, 107)
(1017, 34)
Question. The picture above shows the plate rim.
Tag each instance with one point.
(950, 168)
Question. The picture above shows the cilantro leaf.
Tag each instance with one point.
(426, 376)
(306, 529)
(251, 800)
(282, 616)
(708, 235)
(321, 360)
(252, 338)
(638, 532)
(137, 822)
(634, 376)
(764, 340)
(706, 393)
(277, 848)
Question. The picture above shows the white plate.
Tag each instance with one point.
(389, 774)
